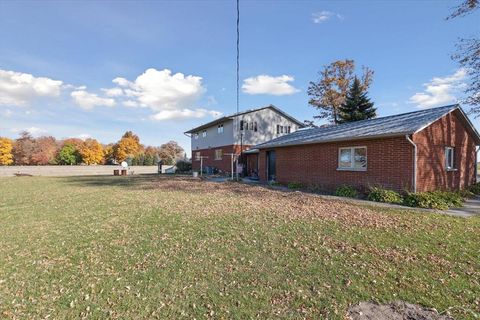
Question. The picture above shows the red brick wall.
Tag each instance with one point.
(224, 165)
(449, 131)
(390, 164)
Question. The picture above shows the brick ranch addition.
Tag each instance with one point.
(390, 161)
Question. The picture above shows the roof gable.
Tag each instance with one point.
(233, 116)
(396, 125)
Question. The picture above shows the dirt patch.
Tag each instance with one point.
(397, 310)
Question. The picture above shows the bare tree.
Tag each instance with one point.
(329, 92)
(468, 56)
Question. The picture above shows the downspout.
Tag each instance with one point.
(476, 164)
(414, 162)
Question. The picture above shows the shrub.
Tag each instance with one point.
(383, 195)
(441, 200)
(184, 166)
(294, 185)
(346, 191)
(475, 188)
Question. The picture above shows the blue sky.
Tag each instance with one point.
(78, 69)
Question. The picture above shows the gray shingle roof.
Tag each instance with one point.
(396, 125)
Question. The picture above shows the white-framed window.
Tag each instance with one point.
(218, 154)
(289, 129)
(450, 158)
(204, 133)
(241, 125)
(251, 126)
(278, 129)
(197, 156)
(220, 128)
(352, 158)
(255, 128)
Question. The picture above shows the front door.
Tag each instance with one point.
(271, 166)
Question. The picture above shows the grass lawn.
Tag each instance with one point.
(149, 247)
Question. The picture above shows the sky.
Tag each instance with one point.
(159, 68)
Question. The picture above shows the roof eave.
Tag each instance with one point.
(379, 136)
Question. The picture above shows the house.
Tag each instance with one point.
(433, 149)
(214, 142)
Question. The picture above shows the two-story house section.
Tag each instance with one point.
(214, 141)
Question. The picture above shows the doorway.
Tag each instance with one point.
(271, 166)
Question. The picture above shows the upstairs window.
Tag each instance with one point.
(352, 158)
(251, 125)
(218, 154)
(450, 158)
(255, 126)
(220, 128)
(195, 136)
(204, 133)
(241, 125)
(197, 156)
(278, 129)
(288, 129)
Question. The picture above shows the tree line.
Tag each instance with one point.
(46, 150)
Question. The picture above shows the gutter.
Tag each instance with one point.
(476, 164)
(414, 162)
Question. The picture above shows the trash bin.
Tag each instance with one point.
(116, 172)
(195, 174)
(124, 172)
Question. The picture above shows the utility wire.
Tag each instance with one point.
(238, 54)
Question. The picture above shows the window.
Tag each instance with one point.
(218, 154)
(288, 129)
(450, 158)
(278, 129)
(281, 129)
(204, 133)
(251, 125)
(220, 128)
(195, 136)
(255, 126)
(354, 158)
(197, 156)
(241, 125)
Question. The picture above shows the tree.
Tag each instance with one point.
(44, 151)
(170, 152)
(6, 147)
(329, 92)
(357, 105)
(127, 147)
(23, 148)
(91, 152)
(69, 155)
(468, 56)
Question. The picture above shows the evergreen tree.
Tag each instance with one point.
(357, 105)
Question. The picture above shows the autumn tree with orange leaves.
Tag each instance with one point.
(330, 91)
(128, 146)
(91, 152)
(6, 147)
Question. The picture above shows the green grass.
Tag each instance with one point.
(145, 247)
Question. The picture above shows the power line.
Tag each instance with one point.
(238, 55)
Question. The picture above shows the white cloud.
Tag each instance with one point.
(7, 113)
(112, 92)
(19, 89)
(170, 96)
(34, 131)
(323, 16)
(265, 84)
(87, 100)
(440, 91)
(184, 114)
(84, 136)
